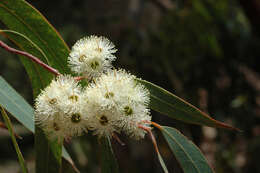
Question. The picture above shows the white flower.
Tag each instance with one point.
(54, 128)
(101, 119)
(118, 86)
(123, 100)
(132, 115)
(75, 124)
(91, 56)
(58, 109)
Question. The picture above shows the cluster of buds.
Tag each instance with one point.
(112, 102)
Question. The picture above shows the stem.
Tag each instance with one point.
(2, 125)
(78, 78)
(151, 136)
(153, 123)
(118, 139)
(31, 57)
(17, 149)
(148, 129)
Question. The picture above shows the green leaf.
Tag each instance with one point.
(50, 161)
(21, 17)
(68, 166)
(187, 154)
(108, 160)
(16, 105)
(38, 76)
(17, 149)
(23, 112)
(162, 163)
(169, 104)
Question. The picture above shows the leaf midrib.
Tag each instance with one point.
(171, 105)
(17, 105)
(194, 165)
(49, 50)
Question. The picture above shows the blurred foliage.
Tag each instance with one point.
(205, 51)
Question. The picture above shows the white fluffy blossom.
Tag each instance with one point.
(123, 100)
(134, 115)
(58, 108)
(101, 120)
(91, 56)
(113, 102)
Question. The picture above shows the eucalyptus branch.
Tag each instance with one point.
(3, 126)
(153, 123)
(30, 56)
(114, 135)
(147, 129)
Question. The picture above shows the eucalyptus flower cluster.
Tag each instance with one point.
(112, 102)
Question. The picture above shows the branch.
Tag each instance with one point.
(147, 129)
(118, 139)
(31, 57)
(2, 125)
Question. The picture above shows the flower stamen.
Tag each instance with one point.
(76, 118)
(128, 110)
(103, 120)
(73, 98)
(53, 101)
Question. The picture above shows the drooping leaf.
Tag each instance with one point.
(16, 105)
(188, 155)
(17, 149)
(108, 160)
(21, 17)
(169, 104)
(50, 161)
(39, 77)
(162, 163)
(23, 112)
(68, 166)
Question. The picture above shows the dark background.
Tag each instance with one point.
(204, 51)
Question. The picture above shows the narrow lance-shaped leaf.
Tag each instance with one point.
(39, 76)
(188, 155)
(50, 161)
(17, 149)
(16, 105)
(23, 112)
(169, 104)
(108, 160)
(162, 163)
(21, 17)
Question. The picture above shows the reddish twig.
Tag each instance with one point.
(2, 125)
(78, 78)
(30, 56)
(151, 136)
(118, 139)
(153, 123)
